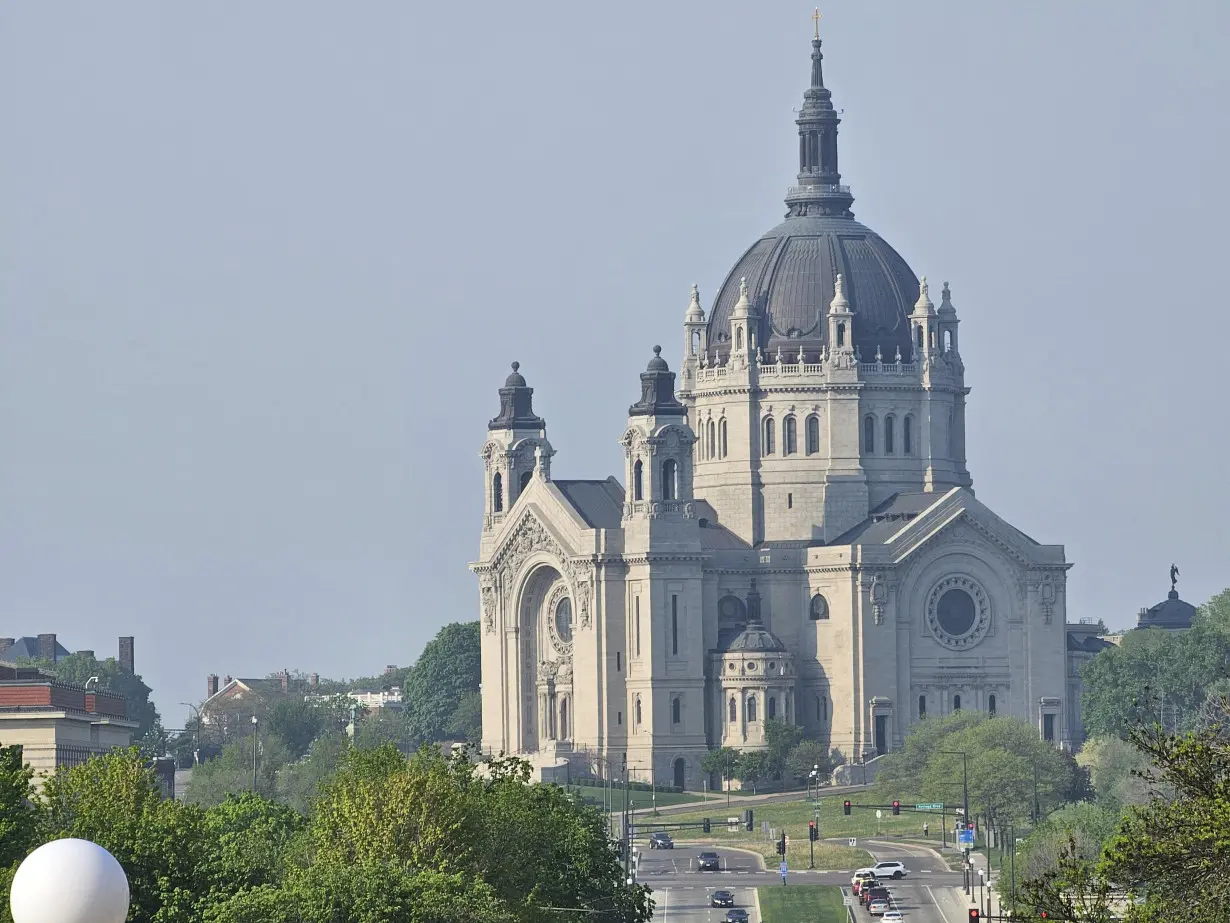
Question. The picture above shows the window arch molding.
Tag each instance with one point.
(768, 436)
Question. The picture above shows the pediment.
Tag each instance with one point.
(961, 520)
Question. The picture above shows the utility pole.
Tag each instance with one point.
(254, 741)
(965, 802)
(1037, 812)
(627, 832)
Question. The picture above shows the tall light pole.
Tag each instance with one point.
(196, 733)
(254, 737)
(965, 797)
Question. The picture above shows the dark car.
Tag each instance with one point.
(721, 899)
(661, 841)
(708, 862)
(738, 915)
(867, 895)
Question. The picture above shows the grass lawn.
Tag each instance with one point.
(641, 801)
(828, 855)
(794, 816)
(801, 904)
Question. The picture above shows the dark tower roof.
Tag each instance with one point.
(1171, 612)
(516, 404)
(792, 269)
(657, 390)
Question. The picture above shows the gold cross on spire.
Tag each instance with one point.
(816, 17)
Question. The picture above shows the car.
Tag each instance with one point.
(861, 876)
(864, 883)
(878, 908)
(737, 915)
(721, 899)
(891, 869)
(661, 841)
(708, 862)
(892, 916)
(873, 894)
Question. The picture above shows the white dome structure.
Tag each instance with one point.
(69, 881)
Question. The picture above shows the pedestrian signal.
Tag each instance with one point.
(975, 915)
(813, 834)
(706, 825)
(747, 819)
(846, 808)
(896, 808)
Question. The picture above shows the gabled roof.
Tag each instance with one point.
(599, 503)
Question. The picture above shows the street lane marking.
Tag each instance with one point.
(937, 903)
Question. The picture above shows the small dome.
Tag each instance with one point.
(515, 380)
(657, 363)
(1172, 613)
(757, 639)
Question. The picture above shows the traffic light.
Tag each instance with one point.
(747, 819)
(812, 833)
(1044, 914)
(781, 845)
(896, 808)
(846, 808)
(706, 825)
(975, 916)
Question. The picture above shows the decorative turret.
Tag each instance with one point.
(743, 323)
(695, 339)
(923, 322)
(657, 390)
(819, 191)
(658, 442)
(841, 326)
(516, 448)
(516, 404)
(947, 317)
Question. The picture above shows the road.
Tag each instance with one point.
(929, 895)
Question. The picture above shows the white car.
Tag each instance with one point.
(889, 870)
(878, 908)
(892, 916)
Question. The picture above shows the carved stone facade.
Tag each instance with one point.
(794, 534)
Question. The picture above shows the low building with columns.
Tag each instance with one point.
(795, 534)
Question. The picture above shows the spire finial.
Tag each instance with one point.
(743, 286)
(657, 350)
(516, 366)
(815, 18)
(695, 313)
(923, 303)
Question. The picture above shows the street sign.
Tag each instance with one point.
(965, 837)
(732, 824)
(853, 842)
(848, 900)
(929, 807)
(879, 814)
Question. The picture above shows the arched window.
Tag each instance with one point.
(841, 335)
(751, 708)
(890, 424)
(722, 438)
(813, 434)
(525, 480)
(712, 447)
(922, 706)
(739, 338)
(497, 493)
(991, 704)
(638, 481)
(734, 710)
(563, 719)
(819, 609)
(768, 443)
(956, 703)
(948, 439)
(670, 479)
(947, 341)
(676, 711)
(638, 711)
(869, 434)
(790, 441)
(918, 335)
(907, 436)
(694, 342)
(772, 712)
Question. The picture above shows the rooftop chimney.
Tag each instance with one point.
(226, 680)
(211, 685)
(314, 681)
(126, 659)
(391, 668)
(47, 647)
(284, 676)
(5, 644)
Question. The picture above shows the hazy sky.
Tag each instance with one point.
(263, 267)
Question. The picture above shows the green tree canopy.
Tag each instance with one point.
(446, 673)
(78, 668)
(18, 826)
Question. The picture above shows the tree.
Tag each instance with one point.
(296, 722)
(299, 783)
(466, 724)
(230, 773)
(250, 836)
(384, 725)
(721, 762)
(18, 825)
(448, 670)
(753, 766)
(781, 738)
(1115, 768)
(806, 755)
(1075, 831)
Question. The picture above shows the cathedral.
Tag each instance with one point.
(795, 535)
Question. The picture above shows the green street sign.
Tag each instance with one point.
(928, 807)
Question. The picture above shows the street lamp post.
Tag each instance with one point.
(254, 739)
(196, 733)
(965, 797)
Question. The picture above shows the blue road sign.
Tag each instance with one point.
(782, 868)
(965, 837)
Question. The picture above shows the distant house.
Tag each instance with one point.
(232, 695)
(56, 723)
(387, 698)
(47, 648)
(1085, 640)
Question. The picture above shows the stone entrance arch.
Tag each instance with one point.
(681, 772)
(544, 616)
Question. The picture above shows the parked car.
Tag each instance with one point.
(721, 899)
(892, 916)
(661, 840)
(878, 908)
(891, 869)
(738, 915)
(708, 862)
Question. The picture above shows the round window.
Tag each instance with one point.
(751, 666)
(771, 664)
(563, 619)
(956, 612)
